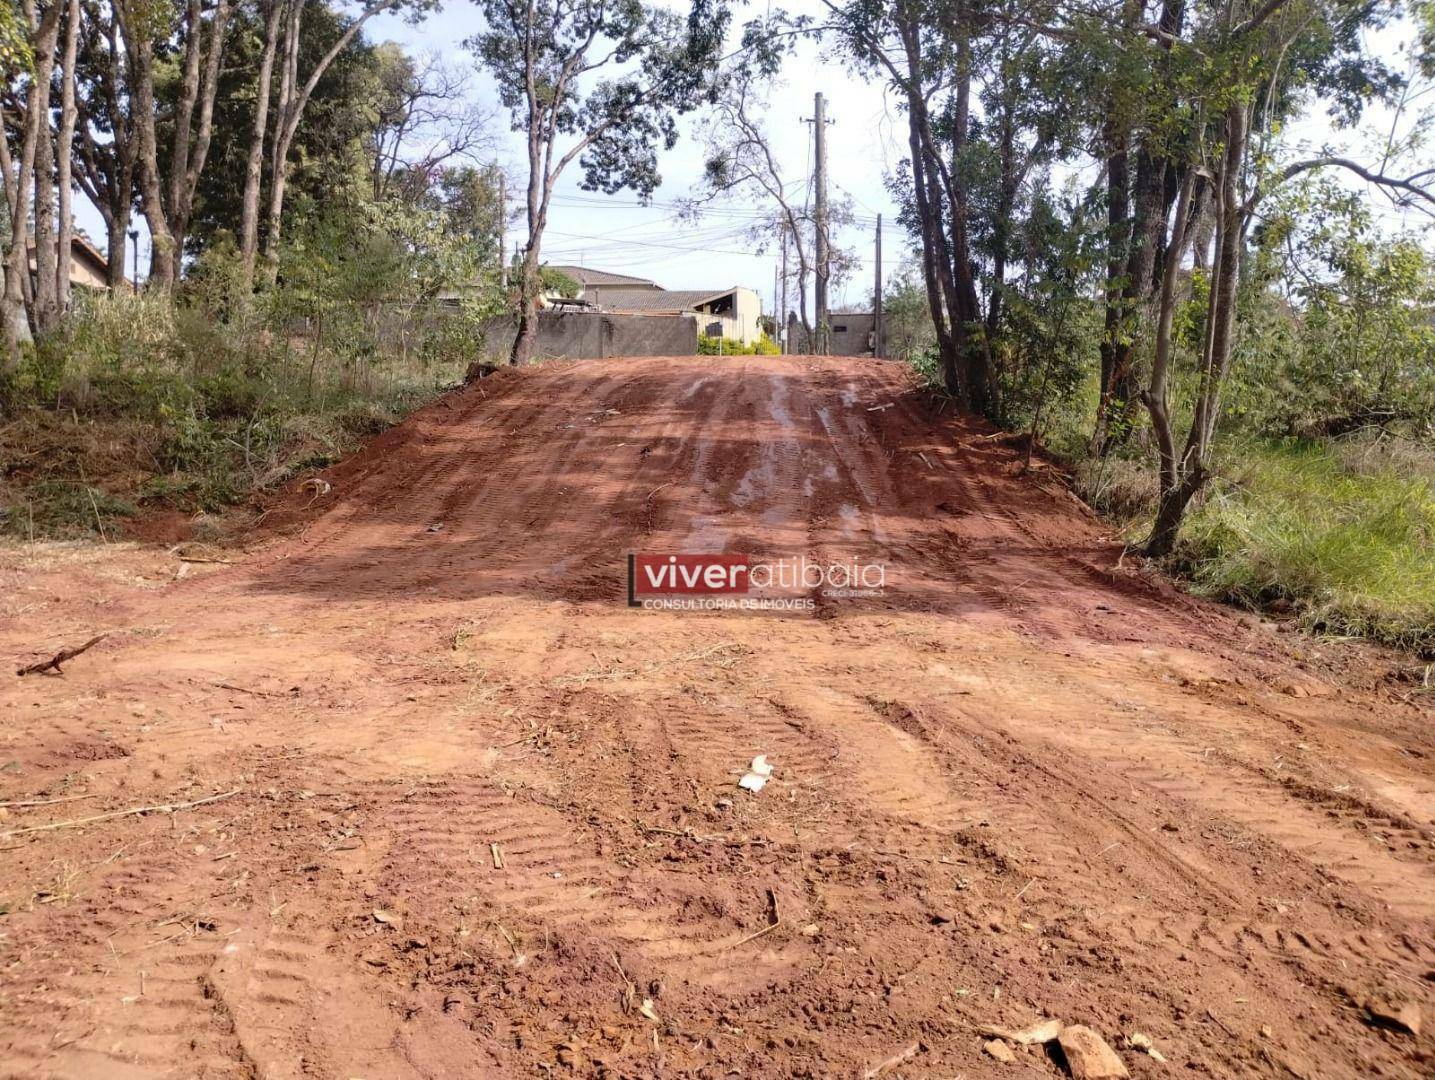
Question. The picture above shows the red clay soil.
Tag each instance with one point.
(481, 818)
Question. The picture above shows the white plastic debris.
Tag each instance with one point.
(757, 775)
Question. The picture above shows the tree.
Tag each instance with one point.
(41, 31)
(294, 96)
(740, 161)
(328, 159)
(167, 182)
(104, 154)
(599, 82)
(64, 150)
(924, 51)
(1245, 64)
(424, 119)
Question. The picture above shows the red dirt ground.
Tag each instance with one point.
(1027, 781)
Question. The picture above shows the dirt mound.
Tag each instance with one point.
(486, 818)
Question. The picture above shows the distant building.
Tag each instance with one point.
(734, 312)
(853, 333)
(88, 268)
(595, 284)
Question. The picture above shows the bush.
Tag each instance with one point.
(210, 409)
(1352, 548)
(726, 346)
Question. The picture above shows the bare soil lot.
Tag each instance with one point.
(480, 818)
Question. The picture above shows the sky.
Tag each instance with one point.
(866, 141)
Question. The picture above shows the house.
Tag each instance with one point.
(852, 333)
(595, 284)
(88, 268)
(734, 312)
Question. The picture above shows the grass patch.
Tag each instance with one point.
(1345, 532)
(137, 403)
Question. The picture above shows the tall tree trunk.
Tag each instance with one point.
(1191, 472)
(14, 318)
(279, 149)
(106, 170)
(46, 302)
(117, 228)
(530, 285)
(65, 153)
(191, 143)
(139, 48)
(1118, 244)
(975, 348)
(293, 98)
(249, 211)
(1122, 391)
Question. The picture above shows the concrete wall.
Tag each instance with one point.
(852, 335)
(586, 335)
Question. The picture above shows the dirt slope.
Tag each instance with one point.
(1023, 782)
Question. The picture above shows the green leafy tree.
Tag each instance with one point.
(599, 83)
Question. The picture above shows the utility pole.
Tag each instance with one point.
(877, 306)
(776, 330)
(782, 330)
(819, 138)
(502, 229)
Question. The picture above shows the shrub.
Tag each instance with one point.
(726, 346)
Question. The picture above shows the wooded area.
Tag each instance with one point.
(1117, 246)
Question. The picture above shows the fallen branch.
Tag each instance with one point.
(774, 921)
(256, 693)
(61, 657)
(43, 802)
(892, 1062)
(167, 808)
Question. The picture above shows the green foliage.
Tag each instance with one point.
(556, 281)
(15, 52)
(654, 65)
(1048, 319)
(907, 329)
(1337, 324)
(137, 400)
(1345, 531)
(63, 508)
(329, 162)
(726, 346)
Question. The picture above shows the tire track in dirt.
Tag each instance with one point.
(1022, 781)
(552, 879)
(119, 988)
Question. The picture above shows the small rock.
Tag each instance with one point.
(1143, 1043)
(1393, 1011)
(1044, 1031)
(1087, 1055)
(939, 918)
(1000, 1050)
(570, 1055)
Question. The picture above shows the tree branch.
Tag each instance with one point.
(1392, 183)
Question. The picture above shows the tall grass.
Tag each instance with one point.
(140, 401)
(1344, 532)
